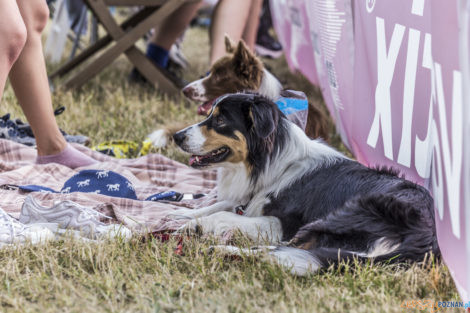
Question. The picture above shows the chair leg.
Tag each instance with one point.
(94, 30)
(99, 44)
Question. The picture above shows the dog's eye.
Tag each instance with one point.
(219, 121)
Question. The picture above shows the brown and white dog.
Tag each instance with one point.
(276, 185)
(238, 71)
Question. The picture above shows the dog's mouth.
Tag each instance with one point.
(205, 108)
(215, 156)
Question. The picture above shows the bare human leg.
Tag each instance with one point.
(28, 78)
(12, 37)
(237, 19)
(174, 25)
(165, 35)
(252, 23)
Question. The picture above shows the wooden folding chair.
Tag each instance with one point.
(121, 39)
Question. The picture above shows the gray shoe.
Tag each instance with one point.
(72, 216)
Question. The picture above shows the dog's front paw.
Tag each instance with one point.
(181, 214)
(207, 225)
(192, 227)
(159, 138)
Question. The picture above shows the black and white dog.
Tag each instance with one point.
(275, 184)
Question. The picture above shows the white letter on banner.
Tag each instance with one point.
(437, 180)
(423, 149)
(404, 155)
(385, 70)
(418, 7)
(452, 161)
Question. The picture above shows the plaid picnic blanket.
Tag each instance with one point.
(149, 175)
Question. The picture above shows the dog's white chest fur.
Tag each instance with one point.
(233, 184)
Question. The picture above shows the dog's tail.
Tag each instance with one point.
(160, 138)
(301, 262)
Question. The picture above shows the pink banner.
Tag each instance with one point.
(296, 36)
(395, 77)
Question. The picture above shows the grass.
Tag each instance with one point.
(147, 276)
(138, 276)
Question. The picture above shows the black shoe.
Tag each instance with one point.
(267, 46)
(135, 77)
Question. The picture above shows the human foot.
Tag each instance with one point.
(69, 157)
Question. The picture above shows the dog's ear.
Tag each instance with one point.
(229, 44)
(265, 117)
(247, 66)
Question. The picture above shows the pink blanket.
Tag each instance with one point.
(149, 174)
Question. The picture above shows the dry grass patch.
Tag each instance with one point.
(71, 276)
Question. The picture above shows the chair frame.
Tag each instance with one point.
(121, 39)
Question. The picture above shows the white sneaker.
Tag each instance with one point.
(14, 232)
(72, 216)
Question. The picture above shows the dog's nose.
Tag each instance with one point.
(179, 138)
(188, 91)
